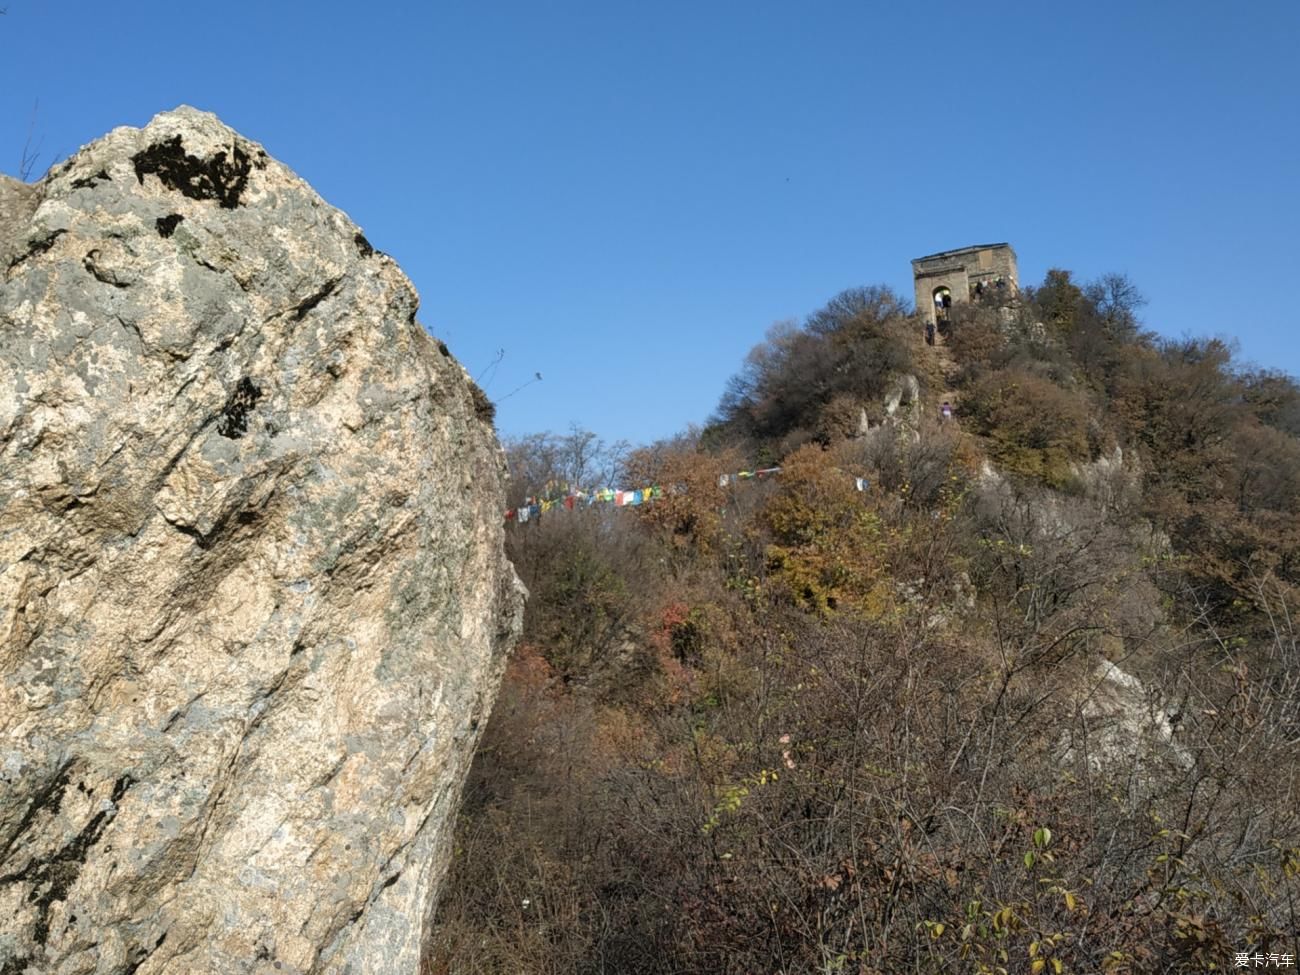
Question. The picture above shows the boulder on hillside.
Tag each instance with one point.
(253, 599)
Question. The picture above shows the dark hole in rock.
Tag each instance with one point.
(363, 246)
(87, 181)
(222, 177)
(233, 422)
(167, 225)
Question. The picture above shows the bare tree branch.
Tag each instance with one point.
(27, 164)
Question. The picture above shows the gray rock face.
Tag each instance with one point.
(253, 601)
(17, 201)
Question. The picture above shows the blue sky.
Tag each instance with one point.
(625, 196)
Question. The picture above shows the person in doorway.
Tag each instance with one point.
(942, 302)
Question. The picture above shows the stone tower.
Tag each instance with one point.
(961, 274)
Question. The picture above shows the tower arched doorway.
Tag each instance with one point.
(942, 302)
(942, 298)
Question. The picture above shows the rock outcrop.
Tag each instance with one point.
(253, 601)
(903, 390)
(1123, 724)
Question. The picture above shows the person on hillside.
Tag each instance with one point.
(929, 333)
(945, 411)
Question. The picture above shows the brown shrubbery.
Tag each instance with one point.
(796, 385)
(1033, 427)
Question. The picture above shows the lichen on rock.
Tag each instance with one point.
(253, 600)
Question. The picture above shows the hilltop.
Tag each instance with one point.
(1027, 702)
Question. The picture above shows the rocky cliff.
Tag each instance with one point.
(253, 601)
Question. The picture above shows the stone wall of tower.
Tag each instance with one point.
(960, 271)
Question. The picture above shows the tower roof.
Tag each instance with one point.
(974, 248)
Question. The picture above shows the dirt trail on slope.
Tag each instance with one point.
(948, 367)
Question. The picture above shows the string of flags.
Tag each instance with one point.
(861, 483)
(726, 479)
(571, 498)
(560, 495)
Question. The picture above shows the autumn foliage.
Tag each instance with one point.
(792, 726)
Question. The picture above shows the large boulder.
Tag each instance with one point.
(253, 599)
